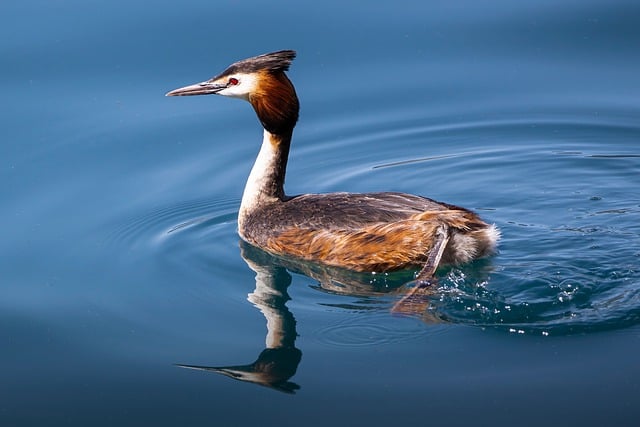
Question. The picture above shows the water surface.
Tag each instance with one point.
(120, 259)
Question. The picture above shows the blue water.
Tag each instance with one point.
(119, 257)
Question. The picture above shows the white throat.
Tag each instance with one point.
(256, 190)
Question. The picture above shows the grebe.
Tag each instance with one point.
(368, 232)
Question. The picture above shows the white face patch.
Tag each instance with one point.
(246, 84)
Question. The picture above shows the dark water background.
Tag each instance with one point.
(119, 257)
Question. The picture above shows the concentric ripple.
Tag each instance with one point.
(192, 236)
(568, 210)
(569, 260)
(370, 329)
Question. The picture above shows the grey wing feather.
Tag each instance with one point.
(348, 210)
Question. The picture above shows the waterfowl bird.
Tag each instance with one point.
(368, 232)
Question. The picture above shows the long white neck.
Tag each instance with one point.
(266, 180)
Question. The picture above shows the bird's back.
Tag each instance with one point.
(365, 231)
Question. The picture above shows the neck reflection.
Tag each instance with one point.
(278, 362)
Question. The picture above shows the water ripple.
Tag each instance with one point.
(155, 227)
(548, 298)
(370, 329)
(566, 203)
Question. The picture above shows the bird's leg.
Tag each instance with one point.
(416, 300)
(435, 255)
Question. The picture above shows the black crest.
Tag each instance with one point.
(272, 62)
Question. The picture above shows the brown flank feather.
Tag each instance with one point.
(376, 247)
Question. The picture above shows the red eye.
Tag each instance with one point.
(233, 81)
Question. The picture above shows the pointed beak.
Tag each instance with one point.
(204, 88)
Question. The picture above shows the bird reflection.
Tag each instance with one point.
(413, 296)
(279, 361)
